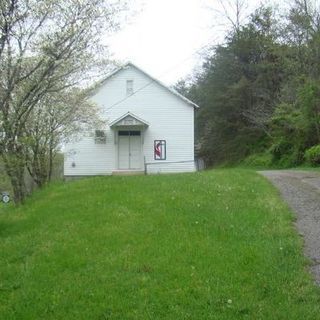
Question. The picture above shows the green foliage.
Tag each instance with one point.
(4, 179)
(260, 92)
(237, 90)
(258, 160)
(309, 104)
(295, 126)
(278, 150)
(312, 155)
(285, 154)
(210, 245)
(46, 48)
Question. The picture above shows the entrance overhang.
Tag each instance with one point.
(129, 121)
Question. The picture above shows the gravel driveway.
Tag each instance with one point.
(301, 190)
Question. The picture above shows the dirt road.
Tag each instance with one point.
(301, 190)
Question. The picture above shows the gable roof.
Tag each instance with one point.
(171, 90)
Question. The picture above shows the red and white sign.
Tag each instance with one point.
(159, 150)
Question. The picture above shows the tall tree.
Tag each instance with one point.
(295, 123)
(45, 47)
(238, 90)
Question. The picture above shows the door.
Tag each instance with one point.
(123, 151)
(129, 150)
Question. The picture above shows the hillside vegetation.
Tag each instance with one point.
(259, 91)
(210, 245)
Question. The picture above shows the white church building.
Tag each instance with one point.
(149, 129)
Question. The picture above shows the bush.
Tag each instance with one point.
(312, 155)
(279, 149)
(259, 160)
(293, 159)
(286, 154)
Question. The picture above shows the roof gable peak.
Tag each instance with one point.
(152, 80)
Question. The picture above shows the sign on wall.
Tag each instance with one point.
(159, 149)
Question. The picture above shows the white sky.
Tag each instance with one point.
(165, 36)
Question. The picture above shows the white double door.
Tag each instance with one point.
(129, 155)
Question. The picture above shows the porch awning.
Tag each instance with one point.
(129, 120)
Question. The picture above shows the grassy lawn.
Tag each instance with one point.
(210, 245)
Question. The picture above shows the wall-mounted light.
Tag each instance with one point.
(73, 164)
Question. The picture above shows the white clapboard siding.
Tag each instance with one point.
(90, 158)
(169, 117)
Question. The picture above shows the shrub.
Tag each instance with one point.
(259, 160)
(279, 149)
(312, 155)
(293, 159)
(286, 154)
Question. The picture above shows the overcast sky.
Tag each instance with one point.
(165, 37)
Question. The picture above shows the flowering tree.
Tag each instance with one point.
(46, 47)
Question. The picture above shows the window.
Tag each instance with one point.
(129, 87)
(160, 150)
(100, 137)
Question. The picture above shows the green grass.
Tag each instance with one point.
(210, 245)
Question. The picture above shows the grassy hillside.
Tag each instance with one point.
(210, 245)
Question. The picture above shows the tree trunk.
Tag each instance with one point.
(15, 167)
(51, 155)
(19, 189)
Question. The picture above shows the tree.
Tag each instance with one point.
(46, 46)
(53, 121)
(260, 92)
(302, 35)
(296, 126)
(238, 90)
(234, 11)
(295, 122)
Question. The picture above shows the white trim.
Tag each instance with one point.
(114, 122)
